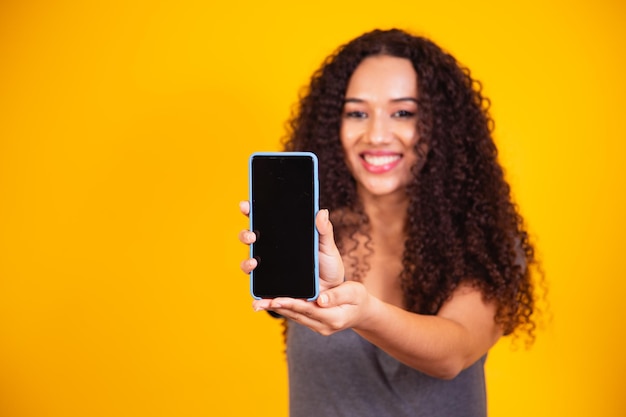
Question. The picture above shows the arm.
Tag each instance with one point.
(440, 346)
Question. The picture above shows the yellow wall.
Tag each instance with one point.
(124, 134)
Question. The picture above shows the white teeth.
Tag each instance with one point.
(378, 160)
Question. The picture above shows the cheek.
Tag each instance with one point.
(351, 131)
(412, 142)
(419, 155)
(348, 140)
(408, 135)
(347, 145)
(346, 134)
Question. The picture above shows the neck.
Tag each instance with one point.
(386, 213)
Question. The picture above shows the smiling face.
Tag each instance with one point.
(379, 125)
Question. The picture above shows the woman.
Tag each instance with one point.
(427, 265)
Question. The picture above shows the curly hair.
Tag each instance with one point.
(462, 225)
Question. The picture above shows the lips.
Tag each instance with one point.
(380, 162)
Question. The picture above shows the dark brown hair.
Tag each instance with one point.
(462, 225)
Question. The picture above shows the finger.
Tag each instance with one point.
(294, 307)
(300, 318)
(260, 305)
(300, 311)
(325, 229)
(247, 237)
(345, 293)
(244, 207)
(248, 265)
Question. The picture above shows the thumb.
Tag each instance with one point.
(325, 229)
(331, 266)
(342, 294)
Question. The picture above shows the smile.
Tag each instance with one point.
(379, 164)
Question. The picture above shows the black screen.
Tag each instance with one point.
(283, 218)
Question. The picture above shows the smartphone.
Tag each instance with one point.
(284, 199)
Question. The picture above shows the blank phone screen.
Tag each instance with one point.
(282, 215)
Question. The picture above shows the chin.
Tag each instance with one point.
(382, 190)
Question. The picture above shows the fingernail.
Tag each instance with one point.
(259, 308)
(324, 299)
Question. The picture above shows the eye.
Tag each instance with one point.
(356, 114)
(403, 114)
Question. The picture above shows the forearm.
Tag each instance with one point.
(438, 346)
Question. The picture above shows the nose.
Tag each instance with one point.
(379, 130)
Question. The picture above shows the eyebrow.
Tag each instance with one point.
(395, 100)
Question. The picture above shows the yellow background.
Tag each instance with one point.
(125, 128)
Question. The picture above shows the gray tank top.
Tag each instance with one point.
(344, 375)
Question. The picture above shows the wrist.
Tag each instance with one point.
(371, 314)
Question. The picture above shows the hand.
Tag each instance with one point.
(345, 306)
(332, 271)
(247, 237)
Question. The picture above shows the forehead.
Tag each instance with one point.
(385, 76)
